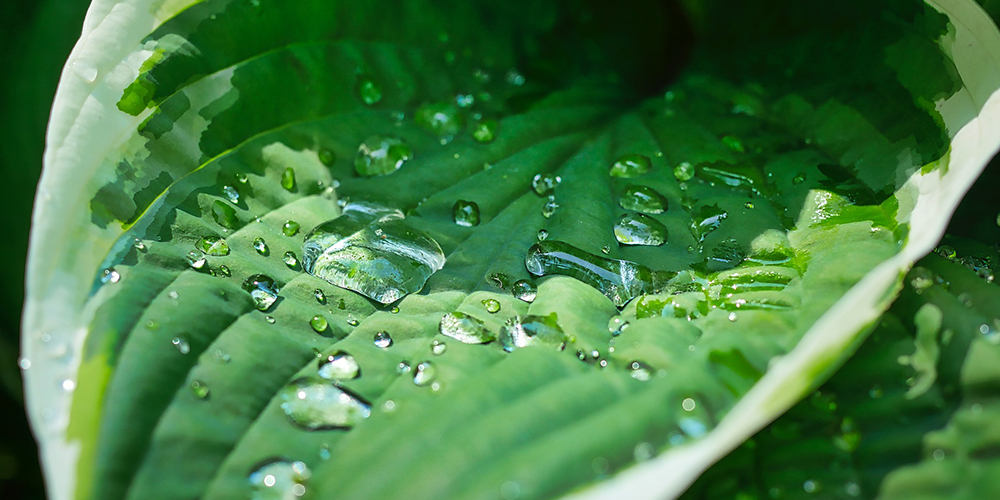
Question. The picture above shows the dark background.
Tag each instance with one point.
(35, 39)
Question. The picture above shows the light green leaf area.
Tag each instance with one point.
(647, 209)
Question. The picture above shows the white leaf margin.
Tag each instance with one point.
(85, 126)
(926, 203)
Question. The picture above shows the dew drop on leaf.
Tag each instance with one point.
(371, 250)
(260, 246)
(196, 260)
(290, 228)
(643, 199)
(199, 389)
(262, 289)
(443, 119)
(424, 374)
(109, 275)
(550, 207)
(279, 480)
(466, 329)
(339, 366)
(466, 213)
(640, 371)
(368, 91)
(320, 296)
(524, 290)
(224, 215)
(541, 330)
(381, 155)
(684, 172)
(288, 178)
(231, 194)
(545, 184)
(438, 348)
(318, 404)
(542, 234)
(485, 131)
(492, 305)
(319, 323)
(383, 340)
(290, 260)
(213, 245)
(639, 229)
(181, 344)
(632, 165)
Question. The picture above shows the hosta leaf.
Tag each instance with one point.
(238, 193)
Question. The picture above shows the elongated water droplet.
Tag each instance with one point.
(464, 100)
(491, 305)
(181, 344)
(424, 374)
(632, 165)
(443, 119)
(231, 194)
(213, 245)
(279, 480)
(290, 260)
(485, 131)
(339, 366)
(224, 215)
(545, 184)
(288, 179)
(109, 275)
(438, 348)
(262, 289)
(542, 330)
(643, 199)
(524, 290)
(320, 296)
(639, 229)
(199, 389)
(371, 250)
(383, 340)
(319, 323)
(640, 371)
(138, 244)
(466, 329)
(684, 172)
(316, 404)
(368, 91)
(290, 228)
(466, 213)
(260, 246)
(381, 155)
(351, 320)
(619, 280)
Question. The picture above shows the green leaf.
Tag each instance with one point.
(803, 173)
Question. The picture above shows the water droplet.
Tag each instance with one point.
(617, 325)
(639, 229)
(288, 178)
(799, 178)
(688, 404)
(485, 131)
(542, 234)
(371, 250)
(438, 348)
(279, 480)
(224, 270)
(317, 404)
(632, 165)
(402, 367)
(109, 275)
(499, 280)
(524, 290)
(222, 357)
(224, 215)
(263, 290)
(550, 207)
(643, 199)
(381, 155)
(514, 77)
(466, 213)
(199, 389)
(545, 184)
(319, 323)
(424, 374)
(383, 340)
(706, 219)
(241, 178)
(320, 296)
(213, 245)
(290, 228)
(465, 329)
(542, 330)
(231, 194)
(138, 245)
(749, 205)
(181, 344)
(640, 371)
(24, 363)
(260, 246)
(196, 260)
(368, 91)
(339, 366)
(351, 320)
(464, 100)
(492, 305)
(443, 119)
(684, 172)
(619, 280)
(394, 310)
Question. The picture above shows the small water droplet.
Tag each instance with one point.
(290, 260)
(381, 155)
(213, 245)
(684, 172)
(241, 178)
(524, 290)
(394, 310)
(465, 329)
(224, 270)
(424, 374)
(492, 305)
(221, 357)
(263, 290)
(181, 344)
(319, 323)
(732, 316)
(443, 119)
(339, 366)
(485, 131)
(231, 194)
(617, 325)
(279, 480)
(606, 249)
(288, 178)
(545, 184)
(466, 213)
(640, 371)
(643, 199)
(260, 246)
(799, 178)
(109, 275)
(199, 389)
(550, 207)
(290, 228)
(196, 260)
(542, 234)
(368, 91)
(320, 296)
(632, 165)
(68, 385)
(351, 320)
(383, 340)
(138, 245)
(749, 205)
(318, 404)
(438, 348)
(403, 367)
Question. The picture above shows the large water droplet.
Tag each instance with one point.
(466, 329)
(316, 404)
(339, 366)
(279, 480)
(524, 290)
(262, 289)
(424, 374)
(466, 213)
(632, 165)
(539, 330)
(371, 250)
(381, 155)
(639, 229)
(619, 280)
(443, 119)
(643, 199)
(213, 245)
